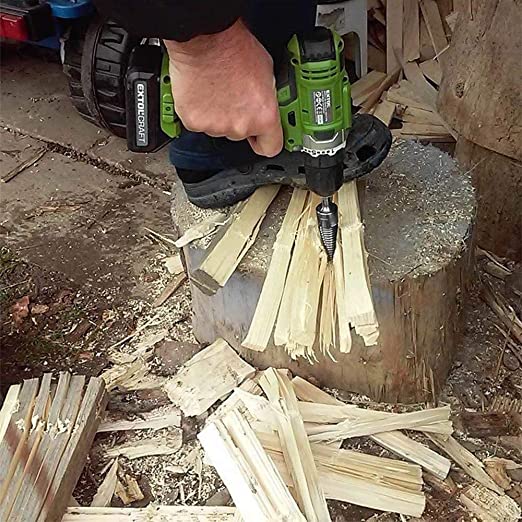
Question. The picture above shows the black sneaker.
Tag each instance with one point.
(367, 145)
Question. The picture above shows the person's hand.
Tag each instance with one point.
(223, 85)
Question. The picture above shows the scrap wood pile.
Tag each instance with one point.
(407, 40)
(304, 296)
(274, 440)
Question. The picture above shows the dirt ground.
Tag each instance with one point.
(80, 268)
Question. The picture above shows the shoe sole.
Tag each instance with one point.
(367, 145)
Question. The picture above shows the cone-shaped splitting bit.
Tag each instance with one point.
(328, 224)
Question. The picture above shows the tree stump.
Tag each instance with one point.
(418, 209)
(480, 97)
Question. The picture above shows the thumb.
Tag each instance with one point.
(269, 144)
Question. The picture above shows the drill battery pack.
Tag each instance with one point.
(151, 119)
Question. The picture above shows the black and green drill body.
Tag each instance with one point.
(315, 107)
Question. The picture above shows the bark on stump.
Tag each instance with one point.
(481, 98)
(418, 209)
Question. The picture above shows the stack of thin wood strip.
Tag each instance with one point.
(46, 433)
(407, 39)
(307, 302)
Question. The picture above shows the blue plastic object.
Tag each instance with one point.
(71, 9)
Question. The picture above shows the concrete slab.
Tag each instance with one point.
(35, 102)
(76, 219)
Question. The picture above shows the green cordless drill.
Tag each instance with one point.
(315, 106)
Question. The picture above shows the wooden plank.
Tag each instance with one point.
(414, 75)
(359, 303)
(431, 15)
(225, 254)
(394, 441)
(411, 35)
(404, 94)
(296, 448)
(151, 514)
(272, 292)
(76, 451)
(208, 377)
(376, 95)
(394, 22)
(432, 70)
(466, 460)
(385, 111)
(362, 88)
(250, 476)
(490, 507)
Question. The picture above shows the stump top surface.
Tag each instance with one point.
(417, 208)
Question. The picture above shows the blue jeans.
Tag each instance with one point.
(273, 22)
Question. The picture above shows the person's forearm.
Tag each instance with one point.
(178, 20)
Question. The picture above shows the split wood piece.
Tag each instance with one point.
(296, 449)
(394, 441)
(236, 400)
(71, 460)
(502, 310)
(352, 478)
(490, 507)
(433, 421)
(385, 111)
(35, 434)
(14, 440)
(362, 88)
(352, 419)
(174, 264)
(208, 377)
(376, 95)
(411, 36)
(413, 115)
(414, 75)
(129, 490)
(467, 461)
(31, 479)
(151, 514)
(148, 447)
(171, 287)
(106, 489)
(29, 162)
(61, 443)
(427, 51)
(201, 230)
(343, 324)
(154, 420)
(9, 406)
(359, 304)
(404, 94)
(238, 235)
(422, 129)
(431, 15)
(270, 299)
(394, 22)
(378, 470)
(296, 326)
(432, 70)
(250, 476)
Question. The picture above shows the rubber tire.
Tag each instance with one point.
(95, 61)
